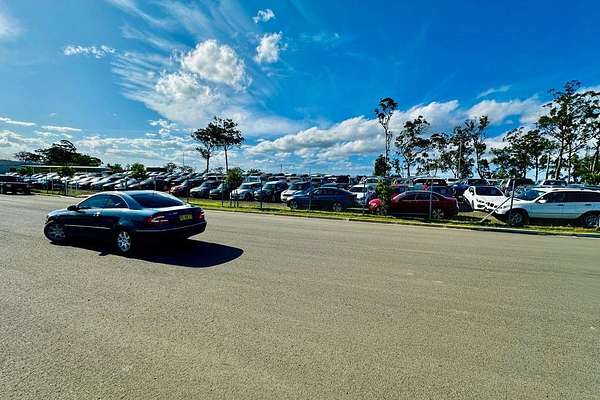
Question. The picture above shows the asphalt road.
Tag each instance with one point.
(277, 307)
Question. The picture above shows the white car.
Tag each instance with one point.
(363, 193)
(483, 197)
(580, 205)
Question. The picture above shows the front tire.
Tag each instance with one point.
(247, 197)
(293, 205)
(590, 220)
(517, 218)
(55, 232)
(437, 213)
(123, 242)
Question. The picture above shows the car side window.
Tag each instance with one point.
(115, 202)
(410, 196)
(574, 197)
(555, 197)
(318, 192)
(93, 202)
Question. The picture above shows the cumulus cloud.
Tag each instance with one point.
(11, 121)
(269, 48)
(13, 142)
(216, 63)
(93, 51)
(528, 110)
(9, 27)
(499, 89)
(263, 15)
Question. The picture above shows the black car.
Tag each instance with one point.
(125, 217)
(13, 184)
(151, 184)
(271, 191)
(222, 191)
(202, 191)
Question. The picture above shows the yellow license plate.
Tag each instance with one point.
(185, 217)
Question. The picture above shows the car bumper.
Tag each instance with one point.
(180, 231)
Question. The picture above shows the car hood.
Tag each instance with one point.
(492, 199)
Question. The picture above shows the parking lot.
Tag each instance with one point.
(266, 306)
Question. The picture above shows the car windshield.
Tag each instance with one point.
(488, 191)
(157, 200)
(247, 186)
(530, 194)
(298, 186)
(269, 186)
(358, 189)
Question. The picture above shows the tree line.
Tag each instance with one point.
(564, 142)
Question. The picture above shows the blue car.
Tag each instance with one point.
(324, 198)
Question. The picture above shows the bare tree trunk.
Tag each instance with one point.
(595, 159)
(207, 163)
(537, 167)
(547, 165)
(569, 163)
(226, 162)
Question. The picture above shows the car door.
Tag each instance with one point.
(405, 203)
(549, 206)
(113, 209)
(578, 203)
(421, 203)
(317, 198)
(85, 220)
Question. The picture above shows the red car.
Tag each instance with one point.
(417, 203)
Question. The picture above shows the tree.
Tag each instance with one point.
(114, 168)
(235, 177)
(138, 171)
(475, 129)
(25, 170)
(28, 157)
(229, 136)
(384, 111)
(411, 146)
(66, 171)
(457, 156)
(433, 163)
(568, 122)
(207, 139)
(381, 167)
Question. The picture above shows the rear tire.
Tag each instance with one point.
(590, 220)
(123, 242)
(247, 197)
(337, 207)
(517, 218)
(55, 232)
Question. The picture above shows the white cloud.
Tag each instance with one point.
(61, 129)
(9, 27)
(269, 47)
(10, 121)
(131, 7)
(97, 52)
(263, 15)
(216, 63)
(529, 110)
(500, 89)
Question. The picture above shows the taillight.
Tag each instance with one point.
(156, 220)
(200, 216)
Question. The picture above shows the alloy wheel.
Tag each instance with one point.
(337, 207)
(437, 213)
(516, 219)
(124, 241)
(294, 205)
(56, 232)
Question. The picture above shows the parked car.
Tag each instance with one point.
(429, 181)
(520, 184)
(567, 205)
(552, 183)
(13, 184)
(271, 191)
(245, 191)
(483, 197)
(124, 218)
(460, 187)
(125, 184)
(294, 188)
(363, 193)
(184, 187)
(419, 203)
(322, 198)
(203, 190)
(151, 184)
(223, 191)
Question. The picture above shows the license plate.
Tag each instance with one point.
(185, 217)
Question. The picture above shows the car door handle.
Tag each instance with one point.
(588, 204)
(560, 205)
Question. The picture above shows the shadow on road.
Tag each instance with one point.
(188, 253)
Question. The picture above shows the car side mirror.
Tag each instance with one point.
(542, 201)
(72, 208)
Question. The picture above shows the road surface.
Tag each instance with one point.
(277, 307)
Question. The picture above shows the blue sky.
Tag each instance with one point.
(126, 80)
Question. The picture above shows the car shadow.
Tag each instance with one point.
(187, 253)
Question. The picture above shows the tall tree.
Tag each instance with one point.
(411, 146)
(475, 128)
(381, 167)
(458, 155)
(229, 136)
(207, 139)
(384, 111)
(61, 153)
(28, 156)
(567, 122)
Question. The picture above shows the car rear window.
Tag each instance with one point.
(487, 191)
(156, 200)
